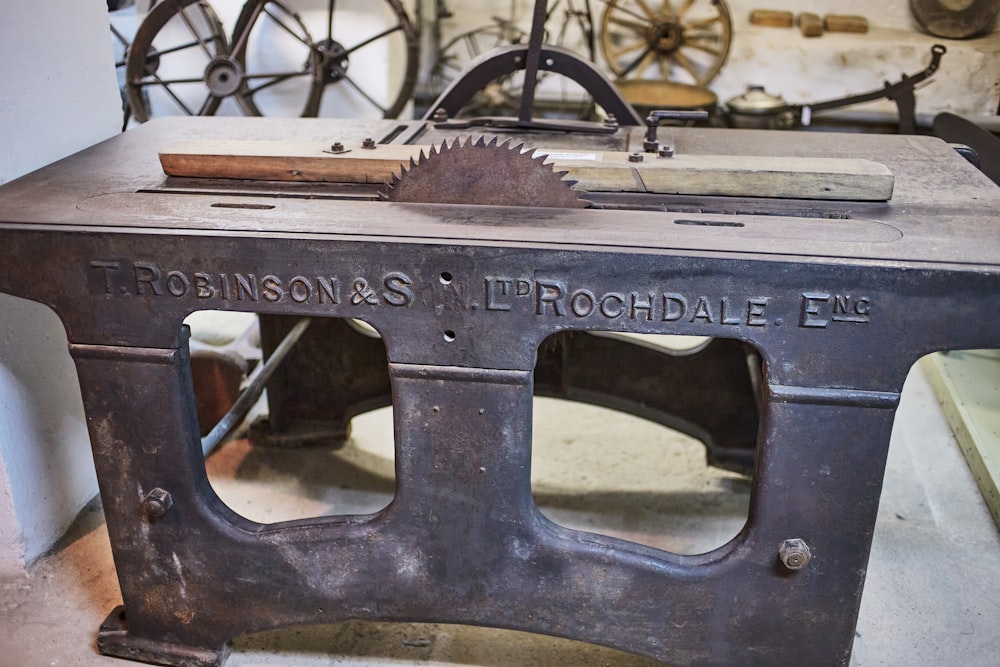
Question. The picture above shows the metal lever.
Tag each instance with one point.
(653, 120)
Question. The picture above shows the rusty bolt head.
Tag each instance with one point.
(156, 503)
(440, 115)
(635, 157)
(666, 151)
(794, 554)
(368, 143)
(337, 147)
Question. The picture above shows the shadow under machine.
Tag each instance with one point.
(820, 266)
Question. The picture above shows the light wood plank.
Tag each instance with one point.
(595, 171)
(967, 385)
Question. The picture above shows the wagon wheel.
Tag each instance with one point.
(685, 40)
(283, 66)
(169, 64)
(166, 61)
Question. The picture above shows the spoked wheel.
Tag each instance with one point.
(283, 65)
(179, 60)
(570, 26)
(685, 40)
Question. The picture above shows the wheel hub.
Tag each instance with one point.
(333, 60)
(223, 76)
(665, 34)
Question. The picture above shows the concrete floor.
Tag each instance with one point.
(932, 596)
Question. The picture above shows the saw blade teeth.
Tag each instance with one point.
(480, 142)
(493, 142)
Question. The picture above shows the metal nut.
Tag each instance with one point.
(610, 120)
(635, 157)
(440, 115)
(368, 143)
(794, 553)
(156, 503)
(666, 151)
(337, 147)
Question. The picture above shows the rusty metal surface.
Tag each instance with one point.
(463, 298)
(485, 173)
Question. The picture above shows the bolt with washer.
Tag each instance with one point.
(666, 151)
(337, 147)
(368, 143)
(635, 157)
(156, 503)
(794, 553)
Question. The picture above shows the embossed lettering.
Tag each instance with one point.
(108, 267)
(246, 286)
(147, 274)
(299, 289)
(612, 312)
(674, 307)
(497, 293)
(397, 289)
(702, 311)
(203, 286)
(755, 311)
(273, 291)
(725, 317)
(177, 283)
(328, 289)
(846, 309)
(809, 313)
(638, 306)
(843, 308)
(550, 292)
(581, 303)
(224, 286)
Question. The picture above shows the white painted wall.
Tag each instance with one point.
(57, 96)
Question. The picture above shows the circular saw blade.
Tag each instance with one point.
(482, 173)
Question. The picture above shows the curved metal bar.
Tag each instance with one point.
(506, 60)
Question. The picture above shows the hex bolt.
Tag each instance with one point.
(666, 151)
(610, 120)
(368, 143)
(794, 553)
(635, 157)
(156, 503)
(337, 147)
(440, 115)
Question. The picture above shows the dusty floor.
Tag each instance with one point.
(932, 596)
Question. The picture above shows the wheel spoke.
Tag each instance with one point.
(364, 94)
(631, 48)
(703, 23)
(195, 32)
(275, 79)
(645, 8)
(685, 7)
(176, 99)
(203, 111)
(329, 20)
(635, 26)
(171, 49)
(688, 66)
(624, 10)
(702, 47)
(664, 62)
(241, 42)
(157, 81)
(640, 64)
(373, 38)
(119, 36)
(283, 26)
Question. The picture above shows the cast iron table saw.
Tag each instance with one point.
(827, 303)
